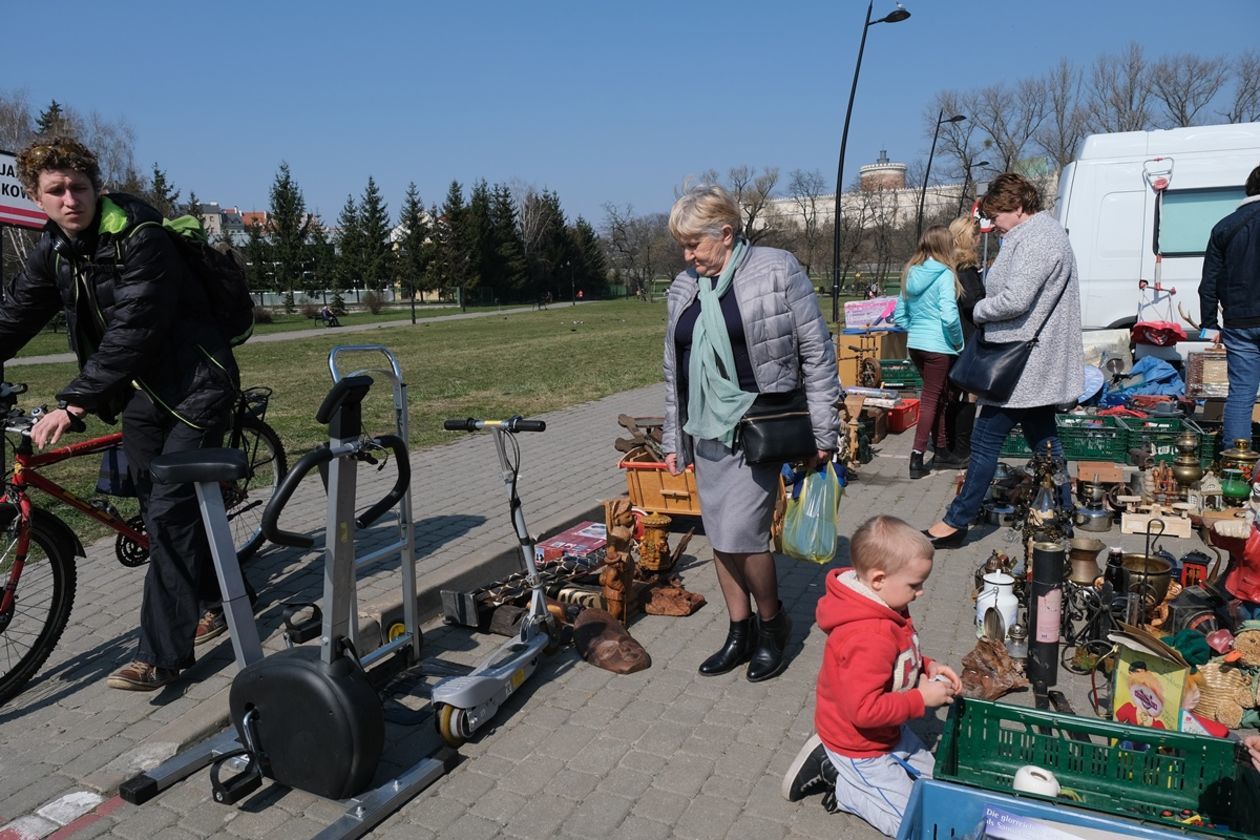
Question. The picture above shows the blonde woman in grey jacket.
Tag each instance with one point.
(1032, 281)
(741, 321)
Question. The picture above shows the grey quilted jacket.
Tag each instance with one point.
(788, 343)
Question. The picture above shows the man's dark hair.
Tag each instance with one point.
(1009, 192)
(60, 152)
(1253, 182)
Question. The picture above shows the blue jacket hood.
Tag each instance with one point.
(922, 276)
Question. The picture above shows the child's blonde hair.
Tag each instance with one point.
(886, 543)
(936, 243)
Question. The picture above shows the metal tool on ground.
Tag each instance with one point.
(463, 704)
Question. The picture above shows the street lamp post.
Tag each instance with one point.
(940, 120)
(895, 16)
(962, 195)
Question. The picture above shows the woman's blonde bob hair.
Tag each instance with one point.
(703, 211)
(963, 230)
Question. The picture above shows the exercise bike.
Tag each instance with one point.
(307, 717)
(464, 704)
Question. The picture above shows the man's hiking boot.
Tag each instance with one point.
(141, 676)
(210, 626)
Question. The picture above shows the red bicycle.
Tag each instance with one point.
(38, 549)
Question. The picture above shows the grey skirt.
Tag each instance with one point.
(736, 498)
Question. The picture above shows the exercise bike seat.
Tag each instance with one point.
(199, 465)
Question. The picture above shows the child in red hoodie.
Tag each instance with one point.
(872, 681)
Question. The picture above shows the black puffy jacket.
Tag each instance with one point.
(137, 317)
(1231, 269)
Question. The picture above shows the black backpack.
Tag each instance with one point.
(222, 275)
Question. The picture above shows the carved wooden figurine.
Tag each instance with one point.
(618, 575)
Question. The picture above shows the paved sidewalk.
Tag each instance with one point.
(578, 752)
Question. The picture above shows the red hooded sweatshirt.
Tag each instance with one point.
(870, 670)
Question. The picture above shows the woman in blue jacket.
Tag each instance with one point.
(927, 309)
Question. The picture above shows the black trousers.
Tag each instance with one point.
(181, 583)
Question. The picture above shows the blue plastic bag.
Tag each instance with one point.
(812, 521)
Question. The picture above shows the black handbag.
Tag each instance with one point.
(991, 369)
(776, 429)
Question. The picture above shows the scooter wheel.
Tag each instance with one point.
(450, 724)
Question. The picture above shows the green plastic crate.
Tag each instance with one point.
(985, 743)
(899, 373)
(1015, 446)
(1088, 438)
(1161, 433)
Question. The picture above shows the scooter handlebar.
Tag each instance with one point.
(399, 448)
(271, 514)
(512, 424)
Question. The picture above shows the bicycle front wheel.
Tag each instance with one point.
(42, 597)
(246, 499)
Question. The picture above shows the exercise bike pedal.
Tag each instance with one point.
(236, 788)
(297, 632)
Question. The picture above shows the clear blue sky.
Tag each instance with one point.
(598, 101)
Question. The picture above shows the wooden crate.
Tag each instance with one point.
(652, 487)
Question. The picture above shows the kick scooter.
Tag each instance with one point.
(463, 704)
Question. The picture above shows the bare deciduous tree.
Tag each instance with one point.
(1246, 104)
(1064, 126)
(1010, 117)
(640, 246)
(1120, 92)
(752, 193)
(805, 189)
(1184, 84)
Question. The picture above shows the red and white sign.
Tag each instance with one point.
(16, 207)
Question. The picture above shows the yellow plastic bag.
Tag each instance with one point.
(812, 521)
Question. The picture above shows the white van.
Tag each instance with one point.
(1108, 205)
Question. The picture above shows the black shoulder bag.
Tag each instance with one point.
(776, 429)
(991, 369)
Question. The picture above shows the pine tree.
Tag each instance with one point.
(482, 269)
(374, 223)
(552, 249)
(349, 270)
(506, 235)
(320, 262)
(451, 255)
(192, 207)
(589, 262)
(258, 259)
(161, 194)
(413, 251)
(289, 222)
(52, 121)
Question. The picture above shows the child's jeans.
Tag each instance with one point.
(877, 789)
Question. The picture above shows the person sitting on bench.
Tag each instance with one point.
(329, 317)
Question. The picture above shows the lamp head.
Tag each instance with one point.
(957, 118)
(977, 163)
(895, 16)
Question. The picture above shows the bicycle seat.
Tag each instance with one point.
(199, 465)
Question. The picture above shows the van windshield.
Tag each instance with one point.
(1186, 218)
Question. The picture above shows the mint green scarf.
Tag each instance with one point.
(715, 402)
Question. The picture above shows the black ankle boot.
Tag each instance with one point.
(735, 652)
(767, 657)
(917, 470)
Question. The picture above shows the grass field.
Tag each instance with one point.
(496, 366)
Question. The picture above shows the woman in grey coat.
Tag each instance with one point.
(1033, 280)
(741, 321)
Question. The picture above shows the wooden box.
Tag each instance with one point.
(651, 487)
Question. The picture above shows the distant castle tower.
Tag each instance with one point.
(883, 174)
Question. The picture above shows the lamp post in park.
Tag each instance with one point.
(941, 119)
(895, 16)
(962, 195)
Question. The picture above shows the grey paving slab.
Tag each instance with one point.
(577, 752)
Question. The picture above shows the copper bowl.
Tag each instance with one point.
(1149, 576)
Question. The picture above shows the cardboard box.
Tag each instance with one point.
(578, 541)
(1149, 680)
(876, 420)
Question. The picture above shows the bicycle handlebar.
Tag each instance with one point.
(399, 448)
(317, 457)
(271, 514)
(511, 425)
